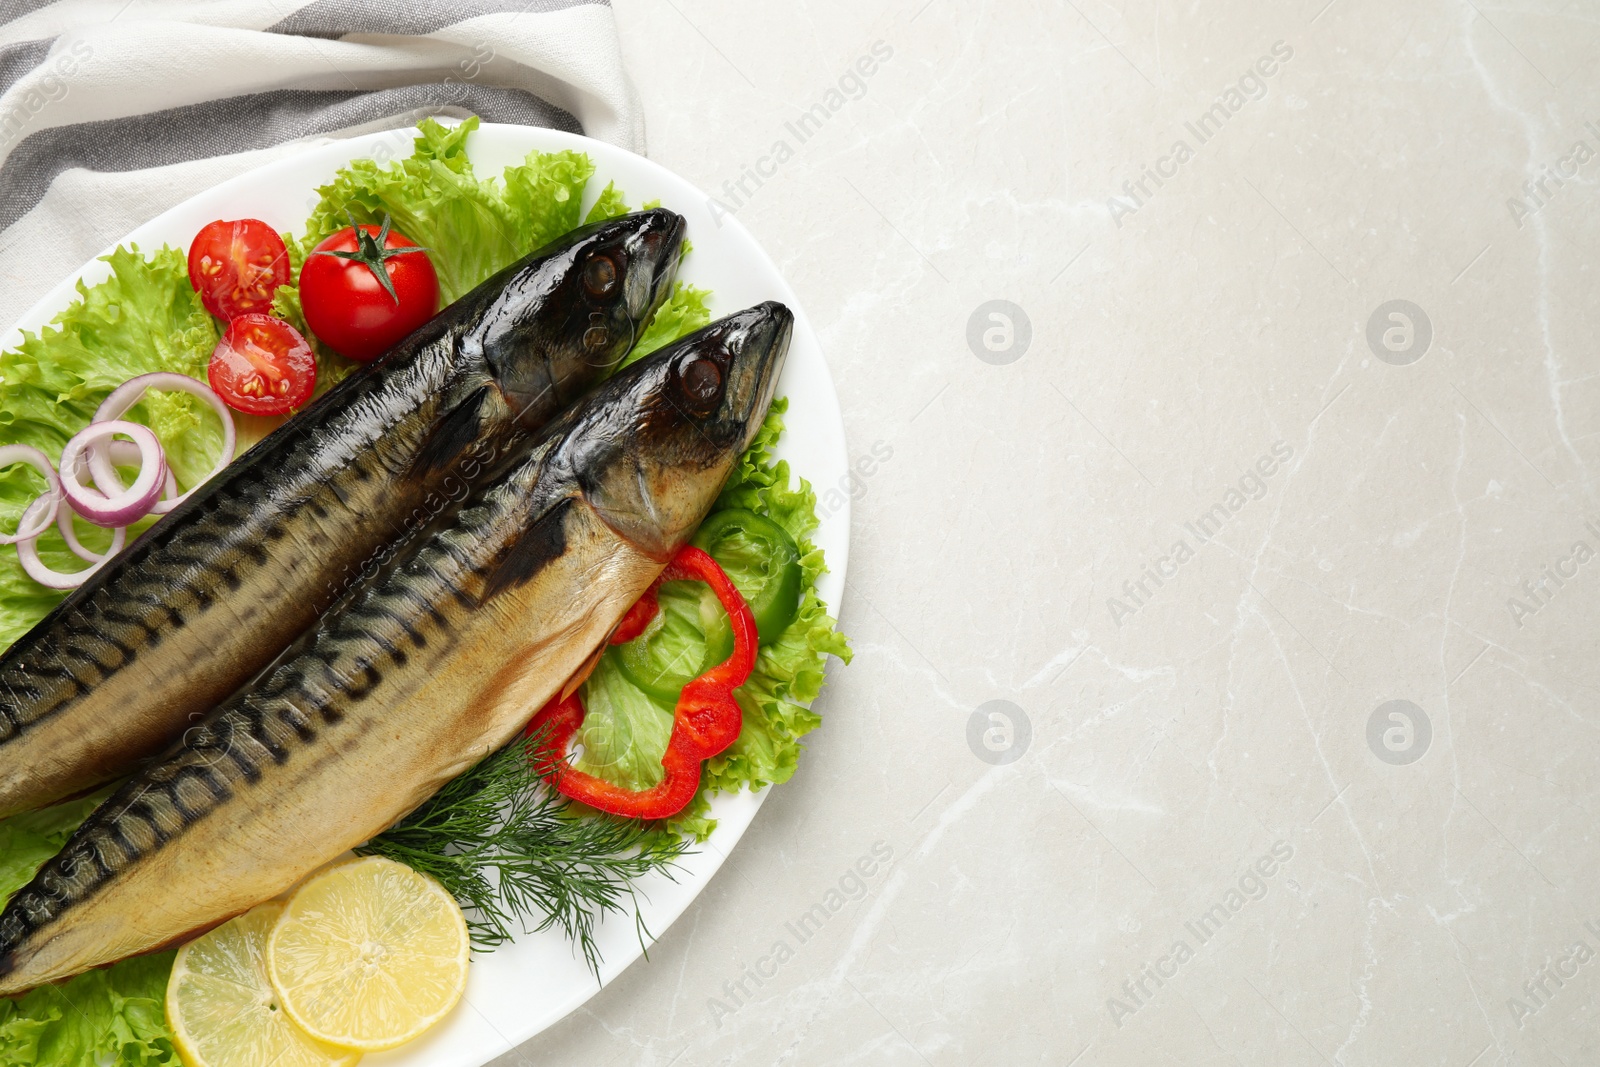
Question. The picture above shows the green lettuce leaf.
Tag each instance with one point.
(143, 318)
(546, 194)
(684, 312)
(608, 206)
(107, 1018)
(789, 673)
(624, 730)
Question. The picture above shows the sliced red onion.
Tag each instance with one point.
(127, 454)
(28, 553)
(132, 504)
(128, 394)
(124, 454)
(119, 535)
(51, 497)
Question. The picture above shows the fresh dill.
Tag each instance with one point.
(509, 848)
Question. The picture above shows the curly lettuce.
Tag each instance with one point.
(115, 1016)
(608, 205)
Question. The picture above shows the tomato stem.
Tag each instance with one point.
(371, 252)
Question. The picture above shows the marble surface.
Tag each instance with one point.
(1196, 830)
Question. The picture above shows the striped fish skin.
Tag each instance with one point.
(215, 591)
(410, 680)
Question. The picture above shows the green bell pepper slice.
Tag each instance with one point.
(762, 560)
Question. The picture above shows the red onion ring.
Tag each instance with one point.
(40, 462)
(119, 535)
(126, 454)
(123, 453)
(28, 555)
(133, 503)
(130, 393)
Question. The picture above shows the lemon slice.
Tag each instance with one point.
(222, 1007)
(369, 954)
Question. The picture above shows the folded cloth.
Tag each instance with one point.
(112, 111)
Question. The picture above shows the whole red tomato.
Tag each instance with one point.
(365, 288)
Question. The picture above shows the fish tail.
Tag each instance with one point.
(136, 822)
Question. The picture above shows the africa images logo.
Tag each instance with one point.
(1537, 592)
(857, 881)
(1252, 485)
(1251, 86)
(1253, 885)
(849, 86)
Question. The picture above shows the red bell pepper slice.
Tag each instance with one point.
(637, 618)
(706, 720)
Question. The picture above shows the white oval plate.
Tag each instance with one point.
(520, 989)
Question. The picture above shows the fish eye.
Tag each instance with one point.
(600, 276)
(701, 381)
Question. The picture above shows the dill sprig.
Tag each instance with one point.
(509, 848)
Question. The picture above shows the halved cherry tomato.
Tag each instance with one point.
(237, 266)
(362, 295)
(262, 366)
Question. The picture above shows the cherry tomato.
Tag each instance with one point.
(237, 266)
(262, 366)
(362, 294)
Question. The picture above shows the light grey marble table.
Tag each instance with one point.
(1267, 512)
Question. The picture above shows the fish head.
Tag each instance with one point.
(669, 429)
(569, 313)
